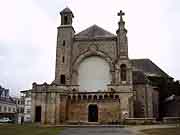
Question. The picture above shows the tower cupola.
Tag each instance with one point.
(66, 16)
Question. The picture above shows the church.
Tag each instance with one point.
(95, 81)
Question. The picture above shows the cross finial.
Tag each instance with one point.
(121, 13)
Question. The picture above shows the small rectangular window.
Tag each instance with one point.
(63, 79)
(28, 102)
(63, 59)
(9, 109)
(28, 110)
(5, 109)
(21, 110)
(64, 43)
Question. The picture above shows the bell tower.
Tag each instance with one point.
(64, 46)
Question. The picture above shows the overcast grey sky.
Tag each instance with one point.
(28, 31)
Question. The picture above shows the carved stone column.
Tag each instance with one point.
(57, 116)
(33, 105)
(117, 78)
(43, 104)
(53, 107)
(124, 107)
(113, 77)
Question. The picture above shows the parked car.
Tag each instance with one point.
(5, 120)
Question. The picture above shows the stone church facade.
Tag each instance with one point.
(128, 94)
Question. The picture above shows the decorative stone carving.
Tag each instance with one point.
(93, 48)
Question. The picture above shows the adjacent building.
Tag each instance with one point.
(20, 109)
(27, 106)
(7, 105)
(172, 105)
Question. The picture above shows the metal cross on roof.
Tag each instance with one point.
(121, 13)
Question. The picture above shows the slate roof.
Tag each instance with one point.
(7, 100)
(94, 32)
(148, 68)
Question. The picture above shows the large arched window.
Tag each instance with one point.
(123, 72)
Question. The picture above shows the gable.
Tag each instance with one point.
(94, 32)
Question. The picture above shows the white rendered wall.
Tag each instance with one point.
(27, 115)
(94, 74)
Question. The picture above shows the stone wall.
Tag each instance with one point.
(59, 106)
(108, 111)
(143, 100)
(107, 47)
(172, 107)
(155, 98)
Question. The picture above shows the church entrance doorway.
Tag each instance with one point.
(93, 113)
(38, 114)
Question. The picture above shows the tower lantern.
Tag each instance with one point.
(66, 16)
